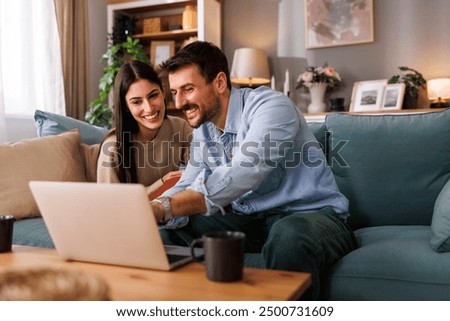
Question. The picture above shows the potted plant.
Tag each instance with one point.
(413, 81)
(99, 113)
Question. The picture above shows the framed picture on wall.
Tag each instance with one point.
(367, 95)
(338, 23)
(393, 96)
(161, 51)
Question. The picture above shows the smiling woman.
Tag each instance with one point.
(145, 145)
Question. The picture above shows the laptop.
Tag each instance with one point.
(105, 223)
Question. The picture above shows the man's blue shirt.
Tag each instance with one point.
(266, 159)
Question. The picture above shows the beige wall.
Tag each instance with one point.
(407, 32)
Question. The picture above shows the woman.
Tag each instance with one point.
(145, 145)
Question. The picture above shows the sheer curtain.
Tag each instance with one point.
(2, 107)
(30, 59)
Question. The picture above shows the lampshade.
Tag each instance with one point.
(250, 67)
(438, 88)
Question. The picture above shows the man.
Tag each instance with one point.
(255, 167)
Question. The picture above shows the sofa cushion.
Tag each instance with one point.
(52, 158)
(52, 124)
(90, 153)
(390, 167)
(319, 131)
(32, 232)
(392, 263)
(440, 224)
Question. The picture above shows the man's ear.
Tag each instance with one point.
(221, 82)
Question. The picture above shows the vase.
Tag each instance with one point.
(409, 102)
(317, 91)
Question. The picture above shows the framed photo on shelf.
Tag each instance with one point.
(161, 51)
(367, 95)
(393, 96)
(329, 23)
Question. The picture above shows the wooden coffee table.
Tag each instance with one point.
(186, 283)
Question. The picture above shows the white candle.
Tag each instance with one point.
(286, 83)
(272, 83)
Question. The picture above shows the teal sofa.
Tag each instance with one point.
(395, 170)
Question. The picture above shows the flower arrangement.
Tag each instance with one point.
(324, 74)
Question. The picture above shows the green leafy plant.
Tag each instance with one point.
(99, 113)
(412, 79)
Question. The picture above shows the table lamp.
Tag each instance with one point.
(439, 92)
(250, 67)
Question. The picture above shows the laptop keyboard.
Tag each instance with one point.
(174, 258)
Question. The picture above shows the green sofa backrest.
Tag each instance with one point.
(319, 131)
(390, 167)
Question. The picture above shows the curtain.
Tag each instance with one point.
(72, 19)
(2, 107)
(30, 59)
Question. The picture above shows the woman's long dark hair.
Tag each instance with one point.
(124, 123)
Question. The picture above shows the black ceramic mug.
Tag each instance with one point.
(6, 232)
(224, 255)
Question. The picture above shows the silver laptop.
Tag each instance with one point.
(105, 223)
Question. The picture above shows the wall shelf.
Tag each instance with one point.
(208, 19)
(166, 35)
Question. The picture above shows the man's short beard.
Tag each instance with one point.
(211, 113)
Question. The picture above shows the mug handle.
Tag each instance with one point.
(192, 246)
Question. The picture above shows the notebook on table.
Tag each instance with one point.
(105, 223)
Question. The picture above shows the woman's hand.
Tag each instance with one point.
(174, 174)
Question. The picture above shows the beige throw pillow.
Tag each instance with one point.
(90, 153)
(52, 158)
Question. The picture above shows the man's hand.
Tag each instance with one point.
(185, 203)
(158, 211)
(188, 202)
